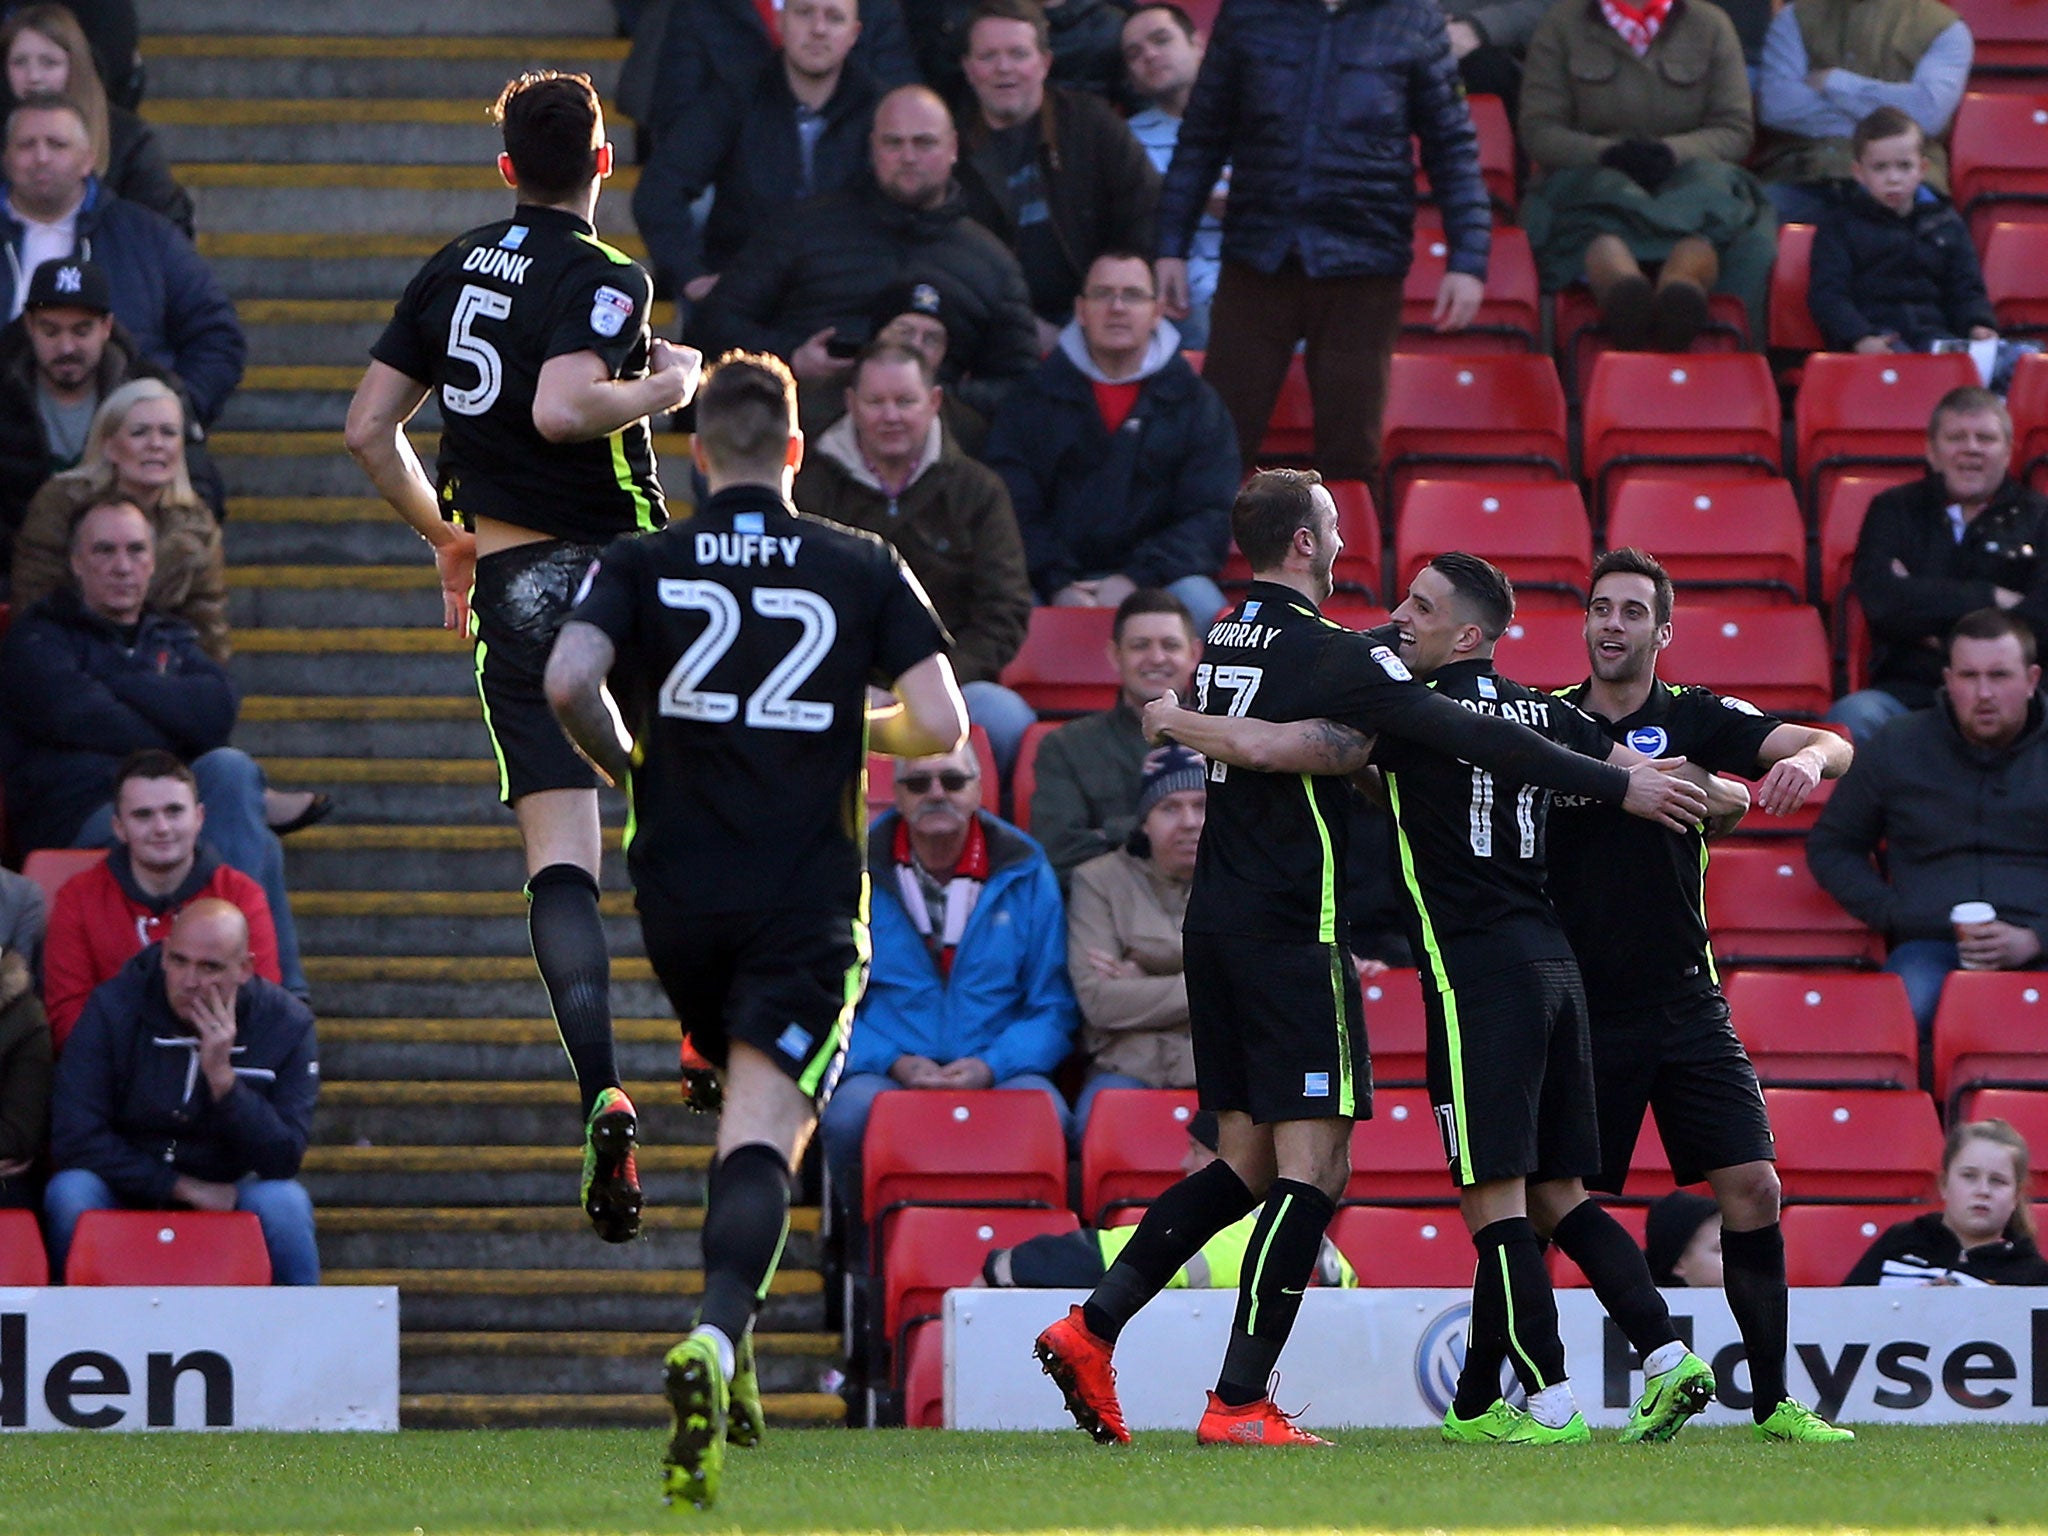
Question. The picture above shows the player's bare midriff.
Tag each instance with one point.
(494, 534)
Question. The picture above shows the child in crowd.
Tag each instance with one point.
(1893, 268)
(1984, 1232)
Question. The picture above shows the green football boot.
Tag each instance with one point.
(1670, 1399)
(1496, 1422)
(697, 1395)
(745, 1423)
(1531, 1432)
(1792, 1420)
(610, 1191)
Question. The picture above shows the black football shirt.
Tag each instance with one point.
(1631, 892)
(747, 638)
(1470, 841)
(1273, 847)
(477, 323)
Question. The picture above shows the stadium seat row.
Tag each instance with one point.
(140, 1248)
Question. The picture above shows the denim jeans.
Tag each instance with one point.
(1005, 716)
(1085, 1102)
(281, 1205)
(1924, 964)
(1866, 711)
(1201, 597)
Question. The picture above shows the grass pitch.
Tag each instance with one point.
(427, 1483)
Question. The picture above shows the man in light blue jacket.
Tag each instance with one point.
(969, 985)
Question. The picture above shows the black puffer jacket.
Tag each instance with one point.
(1914, 274)
(1313, 110)
(825, 262)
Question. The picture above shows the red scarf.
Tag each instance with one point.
(970, 873)
(1638, 25)
(771, 18)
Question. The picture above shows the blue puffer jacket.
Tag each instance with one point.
(1313, 110)
(164, 293)
(1007, 1002)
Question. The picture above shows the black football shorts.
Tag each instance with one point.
(516, 608)
(1278, 1029)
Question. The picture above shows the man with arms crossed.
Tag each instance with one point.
(740, 647)
(534, 333)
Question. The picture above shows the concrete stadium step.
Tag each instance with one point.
(591, 1411)
(353, 661)
(283, 726)
(438, 200)
(522, 1237)
(587, 1363)
(374, 19)
(329, 595)
(545, 1174)
(340, 332)
(374, 856)
(453, 130)
(486, 1299)
(466, 68)
(429, 933)
(391, 1113)
(319, 530)
(325, 264)
(503, 1050)
(395, 789)
(460, 986)
(304, 397)
(280, 463)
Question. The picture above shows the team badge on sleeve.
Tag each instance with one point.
(1740, 706)
(609, 311)
(1391, 664)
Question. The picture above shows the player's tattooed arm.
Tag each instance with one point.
(1266, 746)
(577, 667)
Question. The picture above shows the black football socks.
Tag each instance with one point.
(1514, 1317)
(1618, 1273)
(568, 946)
(1173, 1231)
(1753, 1276)
(746, 1222)
(1286, 1241)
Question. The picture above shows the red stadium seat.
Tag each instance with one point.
(1496, 156)
(996, 1146)
(882, 775)
(2016, 276)
(1510, 317)
(1024, 776)
(2028, 402)
(932, 1250)
(22, 1259)
(1732, 541)
(1841, 521)
(1765, 908)
(1354, 612)
(1405, 1245)
(1567, 1276)
(2024, 1109)
(1133, 1146)
(1855, 411)
(1792, 327)
(1776, 658)
(1396, 1029)
(1830, 1029)
(1823, 1242)
(924, 1379)
(1064, 666)
(1397, 1157)
(1991, 1030)
(2011, 43)
(1537, 533)
(1854, 1143)
(1647, 412)
(1998, 160)
(167, 1248)
(50, 868)
(1481, 418)
(1582, 339)
(1544, 649)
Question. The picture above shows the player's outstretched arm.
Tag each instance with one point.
(1800, 756)
(577, 667)
(384, 402)
(928, 717)
(1266, 746)
(576, 397)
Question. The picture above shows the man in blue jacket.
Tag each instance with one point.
(53, 208)
(1312, 105)
(189, 1081)
(968, 987)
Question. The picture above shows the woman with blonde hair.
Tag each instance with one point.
(46, 54)
(1984, 1232)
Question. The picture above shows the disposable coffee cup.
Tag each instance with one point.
(1966, 913)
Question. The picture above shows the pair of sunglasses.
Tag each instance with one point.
(952, 781)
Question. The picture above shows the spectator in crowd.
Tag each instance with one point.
(1956, 796)
(1162, 54)
(1313, 109)
(888, 466)
(1089, 770)
(1078, 1260)
(134, 453)
(1828, 64)
(799, 127)
(1488, 39)
(969, 981)
(25, 1060)
(914, 315)
(1639, 119)
(1123, 938)
(805, 284)
(1052, 170)
(163, 293)
(1964, 536)
(47, 55)
(1121, 462)
(106, 915)
(189, 1081)
(1683, 1241)
(114, 33)
(59, 359)
(91, 674)
(1984, 1232)
(1083, 35)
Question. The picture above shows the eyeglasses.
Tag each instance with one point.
(952, 781)
(1130, 298)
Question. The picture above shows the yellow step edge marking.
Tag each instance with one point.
(365, 578)
(309, 509)
(434, 904)
(404, 642)
(231, 45)
(283, 111)
(381, 770)
(364, 311)
(327, 376)
(559, 1282)
(443, 838)
(459, 969)
(271, 706)
(304, 245)
(611, 1345)
(565, 1159)
(292, 175)
(478, 1031)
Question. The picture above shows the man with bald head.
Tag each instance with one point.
(189, 1083)
(804, 286)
